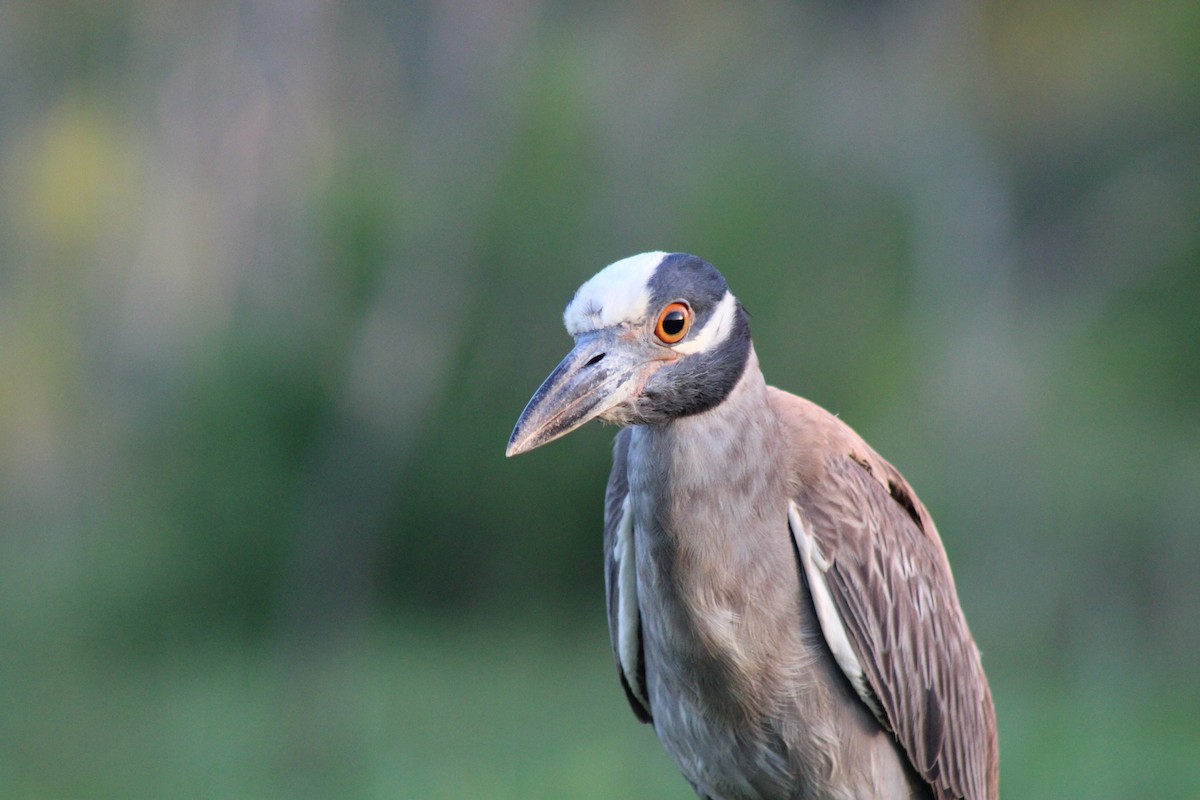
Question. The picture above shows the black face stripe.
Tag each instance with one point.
(698, 381)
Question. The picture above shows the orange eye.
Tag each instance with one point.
(673, 322)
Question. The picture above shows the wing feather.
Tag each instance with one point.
(882, 563)
(624, 620)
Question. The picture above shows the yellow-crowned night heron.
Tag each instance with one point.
(780, 606)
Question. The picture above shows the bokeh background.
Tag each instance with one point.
(276, 278)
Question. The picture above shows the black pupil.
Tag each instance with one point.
(672, 323)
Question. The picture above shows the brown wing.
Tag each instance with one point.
(624, 620)
(890, 582)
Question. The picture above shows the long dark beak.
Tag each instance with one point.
(595, 376)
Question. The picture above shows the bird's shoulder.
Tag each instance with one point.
(815, 441)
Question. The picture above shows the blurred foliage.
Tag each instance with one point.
(278, 278)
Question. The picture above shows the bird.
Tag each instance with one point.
(780, 606)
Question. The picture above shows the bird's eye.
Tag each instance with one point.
(673, 323)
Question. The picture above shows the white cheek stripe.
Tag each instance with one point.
(716, 330)
(628, 616)
(815, 567)
(618, 293)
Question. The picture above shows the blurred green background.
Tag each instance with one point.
(276, 279)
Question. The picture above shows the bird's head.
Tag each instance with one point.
(657, 336)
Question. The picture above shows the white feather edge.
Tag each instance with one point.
(832, 627)
(628, 615)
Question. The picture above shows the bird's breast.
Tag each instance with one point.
(726, 634)
(720, 600)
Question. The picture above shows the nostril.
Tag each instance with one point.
(596, 359)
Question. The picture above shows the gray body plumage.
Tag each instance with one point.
(780, 606)
(744, 692)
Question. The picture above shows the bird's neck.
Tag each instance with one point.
(710, 529)
(716, 454)
(742, 419)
